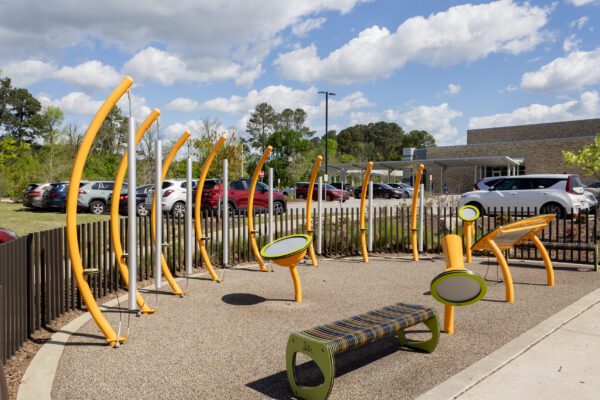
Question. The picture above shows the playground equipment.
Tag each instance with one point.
(363, 197)
(468, 214)
(115, 229)
(321, 343)
(287, 252)
(413, 220)
(311, 188)
(456, 286)
(198, 203)
(507, 236)
(165, 168)
(111, 336)
(251, 231)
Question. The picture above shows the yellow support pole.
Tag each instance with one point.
(297, 284)
(547, 263)
(508, 283)
(251, 232)
(115, 229)
(468, 230)
(165, 168)
(413, 222)
(71, 209)
(452, 248)
(311, 188)
(198, 204)
(363, 197)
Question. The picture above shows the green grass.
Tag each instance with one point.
(25, 220)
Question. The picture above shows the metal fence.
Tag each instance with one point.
(37, 285)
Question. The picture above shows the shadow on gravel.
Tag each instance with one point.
(246, 299)
(276, 386)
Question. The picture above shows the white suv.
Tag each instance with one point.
(549, 194)
(173, 196)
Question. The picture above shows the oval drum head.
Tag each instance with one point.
(468, 213)
(285, 247)
(458, 287)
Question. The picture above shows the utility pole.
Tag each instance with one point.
(327, 94)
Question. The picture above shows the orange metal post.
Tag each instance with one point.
(311, 188)
(363, 197)
(251, 232)
(413, 223)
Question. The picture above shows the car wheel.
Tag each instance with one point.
(278, 208)
(386, 196)
(300, 196)
(406, 195)
(178, 210)
(553, 208)
(327, 198)
(477, 206)
(97, 207)
(142, 211)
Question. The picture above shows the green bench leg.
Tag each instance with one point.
(429, 345)
(321, 355)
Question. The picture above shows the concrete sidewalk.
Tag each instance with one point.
(557, 359)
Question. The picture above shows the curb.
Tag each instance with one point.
(468, 378)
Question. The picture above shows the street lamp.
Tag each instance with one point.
(327, 94)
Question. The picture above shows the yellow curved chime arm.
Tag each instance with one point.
(71, 209)
(363, 197)
(165, 168)
(311, 188)
(198, 203)
(115, 230)
(251, 232)
(413, 221)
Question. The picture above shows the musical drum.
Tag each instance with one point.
(287, 252)
(468, 213)
(458, 287)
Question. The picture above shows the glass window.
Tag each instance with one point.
(261, 187)
(507, 184)
(96, 186)
(576, 181)
(236, 185)
(167, 184)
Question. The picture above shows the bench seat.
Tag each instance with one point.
(324, 341)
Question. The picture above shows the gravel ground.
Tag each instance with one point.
(227, 341)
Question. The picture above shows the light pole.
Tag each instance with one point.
(327, 94)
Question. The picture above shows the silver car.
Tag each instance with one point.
(94, 195)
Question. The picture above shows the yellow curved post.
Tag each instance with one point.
(363, 197)
(115, 230)
(251, 232)
(413, 222)
(297, 284)
(468, 231)
(508, 283)
(452, 247)
(71, 209)
(547, 263)
(311, 188)
(165, 168)
(198, 204)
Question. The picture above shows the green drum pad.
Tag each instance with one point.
(458, 287)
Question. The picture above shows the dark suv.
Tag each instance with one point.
(383, 190)
(239, 191)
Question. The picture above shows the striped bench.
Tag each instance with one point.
(323, 342)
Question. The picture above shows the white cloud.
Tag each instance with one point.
(28, 72)
(579, 3)
(89, 75)
(437, 120)
(564, 74)
(461, 34)
(571, 43)
(453, 88)
(303, 27)
(206, 36)
(183, 104)
(588, 106)
(139, 108)
(579, 22)
(73, 103)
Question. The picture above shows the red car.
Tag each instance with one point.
(330, 193)
(238, 196)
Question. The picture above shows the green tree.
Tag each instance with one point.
(112, 135)
(588, 158)
(419, 140)
(261, 125)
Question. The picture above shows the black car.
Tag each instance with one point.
(383, 190)
(140, 199)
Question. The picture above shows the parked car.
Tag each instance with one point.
(238, 194)
(486, 183)
(330, 193)
(407, 189)
(383, 190)
(6, 235)
(56, 196)
(592, 200)
(93, 196)
(173, 196)
(594, 188)
(550, 194)
(346, 186)
(34, 194)
(140, 200)
(288, 191)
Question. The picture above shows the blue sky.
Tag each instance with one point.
(442, 66)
